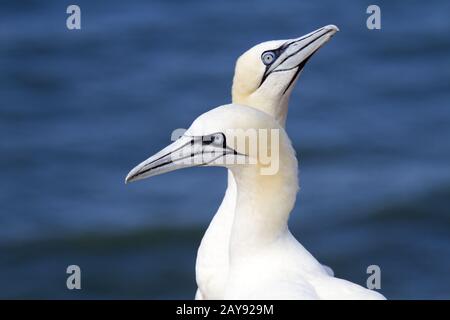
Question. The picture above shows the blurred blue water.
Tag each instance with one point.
(370, 119)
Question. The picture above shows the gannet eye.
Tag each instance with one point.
(218, 139)
(268, 57)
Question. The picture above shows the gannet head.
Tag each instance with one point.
(229, 136)
(265, 75)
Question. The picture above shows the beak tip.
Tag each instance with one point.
(129, 178)
(332, 27)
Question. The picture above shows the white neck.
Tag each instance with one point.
(213, 255)
(263, 204)
(276, 107)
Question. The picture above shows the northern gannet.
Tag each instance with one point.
(264, 78)
(265, 260)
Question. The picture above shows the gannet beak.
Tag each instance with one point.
(183, 153)
(295, 53)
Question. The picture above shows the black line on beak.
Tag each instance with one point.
(165, 155)
(300, 68)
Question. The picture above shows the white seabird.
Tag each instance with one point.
(266, 261)
(264, 78)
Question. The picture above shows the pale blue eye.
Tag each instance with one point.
(218, 139)
(268, 57)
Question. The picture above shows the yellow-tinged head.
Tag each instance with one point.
(265, 75)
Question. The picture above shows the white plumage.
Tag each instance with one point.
(265, 260)
(272, 98)
(247, 251)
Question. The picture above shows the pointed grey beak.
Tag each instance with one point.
(296, 52)
(183, 153)
(166, 160)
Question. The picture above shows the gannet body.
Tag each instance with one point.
(264, 78)
(265, 260)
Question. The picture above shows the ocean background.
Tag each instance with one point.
(369, 117)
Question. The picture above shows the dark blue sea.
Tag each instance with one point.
(369, 118)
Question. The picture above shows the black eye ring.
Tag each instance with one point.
(268, 57)
(217, 139)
